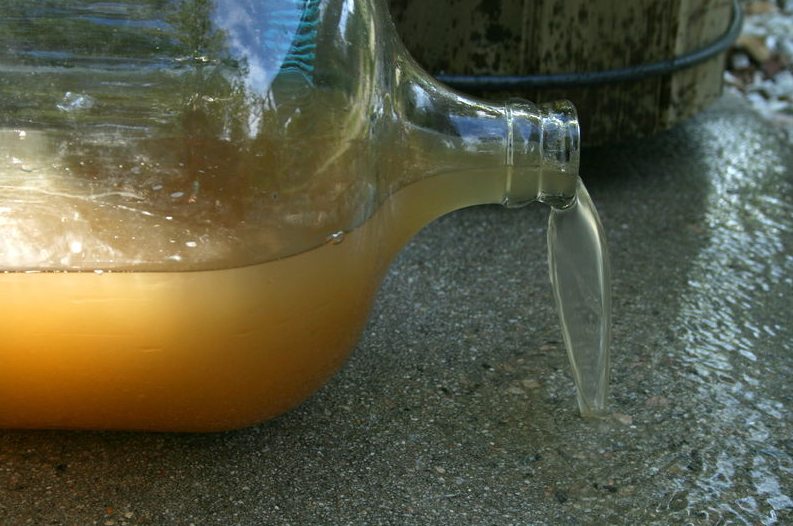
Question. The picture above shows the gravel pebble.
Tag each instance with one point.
(760, 66)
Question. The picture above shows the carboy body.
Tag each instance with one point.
(198, 199)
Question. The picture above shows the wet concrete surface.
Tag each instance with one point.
(457, 407)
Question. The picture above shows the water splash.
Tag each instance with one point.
(581, 278)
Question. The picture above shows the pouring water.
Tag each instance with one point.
(581, 278)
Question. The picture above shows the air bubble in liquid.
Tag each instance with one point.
(75, 102)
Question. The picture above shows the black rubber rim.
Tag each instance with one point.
(611, 76)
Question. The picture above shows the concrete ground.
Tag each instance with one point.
(458, 406)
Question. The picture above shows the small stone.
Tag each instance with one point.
(774, 66)
(530, 384)
(561, 496)
(782, 120)
(440, 470)
(740, 61)
(755, 46)
(732, 80)
(129, 515)
(623, 418)
(515, 390)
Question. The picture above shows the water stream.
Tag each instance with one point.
(581, 278)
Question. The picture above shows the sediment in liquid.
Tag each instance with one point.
(203, 350)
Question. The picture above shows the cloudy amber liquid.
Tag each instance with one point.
(202, 350)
